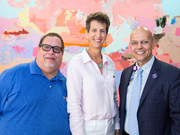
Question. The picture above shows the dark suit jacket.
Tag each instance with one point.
(159, 108)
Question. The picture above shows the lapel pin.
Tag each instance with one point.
(134, 68)
(154, 76)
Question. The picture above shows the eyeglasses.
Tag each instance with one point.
(56, 49)
(143, 42)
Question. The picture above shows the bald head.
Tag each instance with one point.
(141, 45)
(141, 29)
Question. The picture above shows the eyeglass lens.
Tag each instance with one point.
(143, 42)
(56, 49)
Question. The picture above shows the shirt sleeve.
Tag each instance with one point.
(174, 104)
(5, 80)
(74, 88)
(117, 119)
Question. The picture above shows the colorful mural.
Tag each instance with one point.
(23, 22)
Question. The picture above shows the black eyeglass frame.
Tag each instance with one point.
(61, 49)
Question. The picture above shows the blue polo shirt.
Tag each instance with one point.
(31, 104)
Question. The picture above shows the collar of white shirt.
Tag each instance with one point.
(87, 58)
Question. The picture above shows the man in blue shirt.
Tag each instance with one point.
(33, 95)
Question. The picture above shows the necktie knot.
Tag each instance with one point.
(139, 71)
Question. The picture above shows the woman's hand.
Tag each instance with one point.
(117, 132)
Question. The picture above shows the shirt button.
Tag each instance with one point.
(49, 86)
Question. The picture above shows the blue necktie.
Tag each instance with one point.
(134, 104)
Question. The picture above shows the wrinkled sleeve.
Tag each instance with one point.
(4, 88)
(74, 88)
(117, 119)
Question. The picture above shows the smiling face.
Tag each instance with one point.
(97, 34)
(48, 61)
(142, 51)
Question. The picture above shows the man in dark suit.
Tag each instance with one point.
(158, 110)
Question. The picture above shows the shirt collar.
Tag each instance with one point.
(34, 69)
(87, 58)
(59, 76)
(148, 65)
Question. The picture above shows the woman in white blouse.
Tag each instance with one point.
(91, 87)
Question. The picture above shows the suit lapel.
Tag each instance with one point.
(123, 88)
(153, 75)
(126, 78)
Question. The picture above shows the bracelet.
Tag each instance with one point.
(117, 129)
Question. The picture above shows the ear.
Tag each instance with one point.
(87, 34)
(38, 48)
(62, 51)
(153, 44)
(106, 37)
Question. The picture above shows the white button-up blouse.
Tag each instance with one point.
(91, 95)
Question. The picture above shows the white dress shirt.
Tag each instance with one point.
(146, 70)
(91, 95)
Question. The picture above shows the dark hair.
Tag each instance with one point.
(52, 34)
(100, 17)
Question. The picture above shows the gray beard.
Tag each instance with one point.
(50, 65)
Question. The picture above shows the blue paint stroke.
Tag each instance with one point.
(7, 11)
(173, 21)
(171, 8)
(32, 4)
